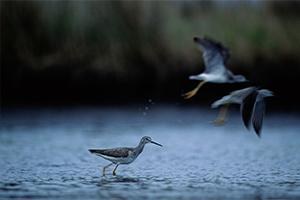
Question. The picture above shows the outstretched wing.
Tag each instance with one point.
(224, 100)
(215, 55)
(116, 152)
(243, 93)
(258, 114)
(236, 96)
(247, 108)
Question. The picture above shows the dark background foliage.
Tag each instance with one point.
(120, 52)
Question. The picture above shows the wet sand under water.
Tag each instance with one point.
(43, 155)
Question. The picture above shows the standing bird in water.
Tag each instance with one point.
(215, 56)
(122, 155)
(252, 106)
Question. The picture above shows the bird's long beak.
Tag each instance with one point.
(156, 143)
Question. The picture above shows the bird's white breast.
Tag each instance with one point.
(214, 78)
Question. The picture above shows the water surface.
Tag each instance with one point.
(43, 155)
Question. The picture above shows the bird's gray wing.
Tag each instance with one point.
(247, 107)
(243, 93)
(258, 114)
(236, 96)
(215, 55)
(116, 152)
(224, 100)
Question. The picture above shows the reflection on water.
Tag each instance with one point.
(116, 179)
(43, 154)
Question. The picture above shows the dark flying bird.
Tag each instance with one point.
(252, 106)
(215, 56)
(122, 155)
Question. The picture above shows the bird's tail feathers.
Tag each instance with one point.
(193, 77)
(94, 150)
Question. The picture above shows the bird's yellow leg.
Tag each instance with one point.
(114, 172)
(103, 172)
(221, 118)
(192, 93)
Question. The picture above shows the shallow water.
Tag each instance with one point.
(43, 154)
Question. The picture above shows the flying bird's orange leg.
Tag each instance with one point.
(221, 118)
(192, 93)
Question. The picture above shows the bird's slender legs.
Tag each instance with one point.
(192, 93)
(114, 172)
(103, 173)
(221, 119)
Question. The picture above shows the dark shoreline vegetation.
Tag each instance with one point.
(72, 52)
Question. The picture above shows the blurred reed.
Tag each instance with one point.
(145, 41)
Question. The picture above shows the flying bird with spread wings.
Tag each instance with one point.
(252, 106)
(215, 56)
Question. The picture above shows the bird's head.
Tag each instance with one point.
(147, 139)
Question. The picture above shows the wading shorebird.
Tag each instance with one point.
(215, 56)
(252, 106)
(122, 155)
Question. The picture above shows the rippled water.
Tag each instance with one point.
(43, 154)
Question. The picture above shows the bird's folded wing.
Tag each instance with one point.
(117, 152)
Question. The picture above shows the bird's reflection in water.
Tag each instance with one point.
(106, 180)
